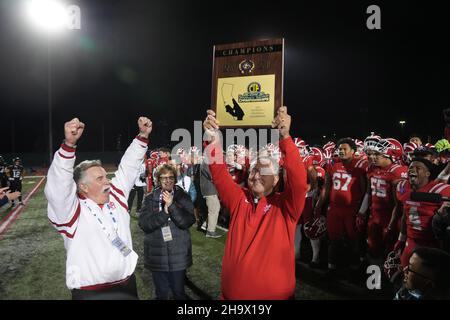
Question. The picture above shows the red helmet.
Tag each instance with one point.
(154, 155)
(330, 145)
(394, 151)
(370, 142)
(392, 266)
(240, 150)
(301, 145)
(359, 146)
(272, 151)
(194, 150)
(315, 228)
(408, 149)
(320, 172)
(299, 142)
(317, 155)
(430, 145)
(327, 156)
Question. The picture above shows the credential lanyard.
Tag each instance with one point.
(102, 225)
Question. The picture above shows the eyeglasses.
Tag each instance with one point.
(170, 178)
(261, 171)
(408, 269)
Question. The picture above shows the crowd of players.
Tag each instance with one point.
(358, 208)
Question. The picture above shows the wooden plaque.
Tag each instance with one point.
(247, 82)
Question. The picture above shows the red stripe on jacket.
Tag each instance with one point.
(72, 221)
(118, 200)
(117, 190)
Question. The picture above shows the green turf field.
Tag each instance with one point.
(33, 259)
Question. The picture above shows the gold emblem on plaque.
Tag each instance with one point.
(246, 66)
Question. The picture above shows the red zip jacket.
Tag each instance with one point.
(258, 261)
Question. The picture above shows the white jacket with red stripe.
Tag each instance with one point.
(92, 260)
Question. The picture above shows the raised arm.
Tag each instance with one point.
(126, 174)
(229, 192)
(295, 189)
(60, 189)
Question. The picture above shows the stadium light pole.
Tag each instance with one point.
(402, 126)
(51, 17)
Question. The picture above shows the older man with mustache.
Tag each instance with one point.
(90, 212)
(258, 261)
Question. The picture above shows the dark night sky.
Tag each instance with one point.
(155, 58)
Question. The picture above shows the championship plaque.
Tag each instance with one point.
(247, 84)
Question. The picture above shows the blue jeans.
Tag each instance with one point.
(166, 281)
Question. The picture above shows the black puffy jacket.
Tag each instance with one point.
(174, 255)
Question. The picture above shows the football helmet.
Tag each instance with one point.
(392, 266)
(194, 150)
(370, 142)
(315, 228)
(408, 150)
(396, 149)
(320, 172)
(316, 155)
(330, 145)
(327, 157)
(393, 149)
(359, 146)
(301, 146)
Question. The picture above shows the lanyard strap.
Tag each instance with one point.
(161, 198)
(102, 225)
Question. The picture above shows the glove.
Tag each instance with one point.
(400, 245)
(442, 145)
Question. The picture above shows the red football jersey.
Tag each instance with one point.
(346, 189)
(419, 214)
(381, 186)
(150, 164)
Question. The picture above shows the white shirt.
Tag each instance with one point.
(139, 182)
(184, 182)
(91, 257)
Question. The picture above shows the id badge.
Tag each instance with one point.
(167, 234)
(121, 246)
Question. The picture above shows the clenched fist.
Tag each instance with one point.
(145, 127)
(73, 130)
(210, 125)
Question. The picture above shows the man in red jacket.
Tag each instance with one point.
(258, 261)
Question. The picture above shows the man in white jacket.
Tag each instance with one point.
(90, 211)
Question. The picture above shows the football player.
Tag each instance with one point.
(383, 180)
(15, 178)
(345, 186)
(416, 224)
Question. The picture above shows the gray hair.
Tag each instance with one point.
(265, 157)
(81, 168)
